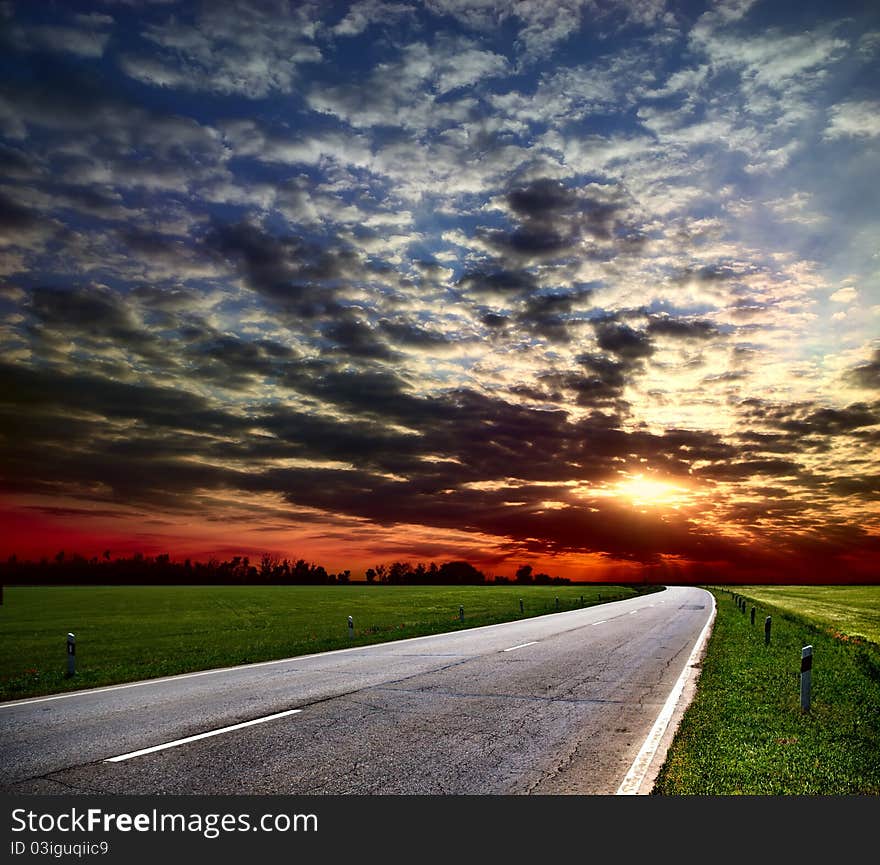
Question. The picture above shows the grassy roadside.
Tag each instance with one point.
(851, 611)
(126, 633)
(745, 733)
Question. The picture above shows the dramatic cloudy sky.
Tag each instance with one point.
(590, 284)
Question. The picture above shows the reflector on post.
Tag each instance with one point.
(71, 654)
(806, 675)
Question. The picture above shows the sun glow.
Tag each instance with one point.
(649, 492)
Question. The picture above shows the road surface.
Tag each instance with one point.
(558, 704)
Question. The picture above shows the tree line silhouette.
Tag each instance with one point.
(241, 570)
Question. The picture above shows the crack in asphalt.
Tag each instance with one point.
(65, 784)
(501, 697)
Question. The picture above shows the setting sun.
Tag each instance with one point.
(646, 491)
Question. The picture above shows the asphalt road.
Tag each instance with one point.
(558, 704)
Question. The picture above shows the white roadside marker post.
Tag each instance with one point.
(350, 628)
(520, 606)
(71, 655)
(557, 605)
(461, 614)
(806, 674)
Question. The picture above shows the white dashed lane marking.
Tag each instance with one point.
(196, 738)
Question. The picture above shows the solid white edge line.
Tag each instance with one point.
(195, 738)
(521, 646)
(11, 704)
(632, 782)
(600, 622)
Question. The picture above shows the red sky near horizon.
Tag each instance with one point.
(588, 287)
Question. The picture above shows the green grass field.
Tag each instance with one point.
(745, 733)
(139, 632)
(850, 610)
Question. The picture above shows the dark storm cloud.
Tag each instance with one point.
(868, 486)
(168, 250)
(408, 333)
(17, 163)
(80, 307)
(78, 512)
(353, 338)
(782, 443)
(830, 422)
(601, 384)
(232, 362)
(487, 437)
(753, 513)
(603, 375)
(547, 315)
(88, 437)
(362, 442)
(774, 492)
(529, 242)
(168, 484)
(536, 393)
(258, 356)
(36, 389)
(710, 273)
(373, 392)
(167, 300)
(546, 204)
(811, 419)
(31, 427)
(622, 340)
(542, 199)
(867, 375)
(740, 470)
(178, 441)
(97, 318)
(15, 218)
(681, 328)
(696, 445)
(499, 282)
(493, 320)
(301, 279)
(104, 202)
(609, 372)
(552, 221)
(67, 99)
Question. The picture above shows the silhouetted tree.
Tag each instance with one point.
(74, 569)
(460, 573)
(524, 574)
